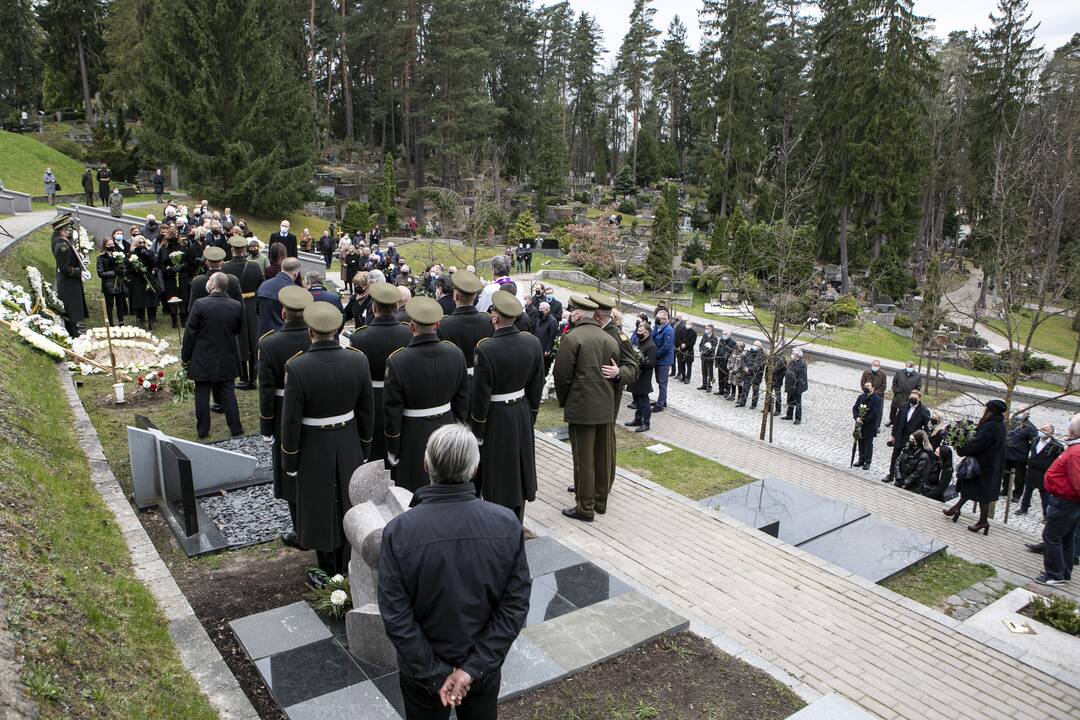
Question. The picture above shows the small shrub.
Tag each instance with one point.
(582, 197)
(1029, 364)
(694, 250)
(357, 218)
(981, 362)
(627, 207)
(973, 342)
(562, 236)
(843, 312)
(794, 311)
(902, 321)
(1058, 612)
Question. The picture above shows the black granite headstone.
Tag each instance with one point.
(179, 487)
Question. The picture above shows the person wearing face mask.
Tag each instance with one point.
(1022, 435)
(641, 387)
(988, 449)
(111, 271)
(734, 366)
(286, 238)
(143, 287)
(751, 373)
(907, 422)
(1043, 452)
(903, 383)
(724, 348)
(876, 378)
(707, 349)
(867, 415)
(663, 336)
(504, 398)
(916, 459)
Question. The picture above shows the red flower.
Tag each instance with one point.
(140, 380)
(153, 387)
(161, 373)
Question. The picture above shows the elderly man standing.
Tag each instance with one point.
(284, 237)
(588, 404)
(454, 587)
(269, 307)
(209, 352)
(504, 399)
(663, 336)
(1062, 482)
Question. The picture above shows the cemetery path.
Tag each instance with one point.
(22, 224)
(830, 630)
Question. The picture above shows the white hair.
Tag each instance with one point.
(452, 455)
(374, 276)
(1074, 425)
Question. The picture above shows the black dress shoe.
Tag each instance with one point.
(798, 422)
(1022, 511)
(573, 514)
(289, 539)
(600, 511)
(218, 408)
(571, 488)
(238, 433)
(1034, 547)
(632, 423)
(642, 428)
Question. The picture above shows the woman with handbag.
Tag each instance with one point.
(983, 464)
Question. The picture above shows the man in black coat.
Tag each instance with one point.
(685, 339)
(1044, 451)
(284, 237)
(904, 381)
(215, 261)
(250, 278)
(795, 384)
(104, 177)
(867, 415)
(276, 348)
(504, 398)
(723, 351)
(209, 352)
(752, 369)
(546, 330)
(467, 326)
(325, 432)
(70, 273)
(707, 350)
(1022, 435)
(88, 187)
(425, 388)
(454, 586)
(915, 416)
(378, 340)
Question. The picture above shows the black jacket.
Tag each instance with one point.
(988, 447)
(873, 413)
(795, 380)
(1022, 436)
(209, 345)
(643, 384)
(685, 335)
(903, 428)
(454, 584)
(914, 467)
(1039, 462)
(466, 327)
(940, 475)
(112, 281)
(707, 346)
(289, 241)
(547, 329)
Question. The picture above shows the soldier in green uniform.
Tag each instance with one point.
(215, 260)
(276, 348)
(588, 402)
(425, 388)
(70, 273)
(504, 398)
(250, 277)
(378, 340)
(325, 428)
(466, 326)
(621, 374)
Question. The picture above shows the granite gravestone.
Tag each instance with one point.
(375, 502)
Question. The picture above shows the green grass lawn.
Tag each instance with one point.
(679, 470)
(91, 638)
(1054, 334)
(933, 580)
(23, 161)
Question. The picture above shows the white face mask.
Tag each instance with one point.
(284, 230)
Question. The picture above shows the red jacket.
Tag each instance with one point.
(1062, 478)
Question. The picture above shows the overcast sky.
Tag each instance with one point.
(1059, 18)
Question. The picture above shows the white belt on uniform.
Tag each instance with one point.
(326, 421)
(469, 370)
(280, 392)
(426, 412)
(507, 397)
(377, 383)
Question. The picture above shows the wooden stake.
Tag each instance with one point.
(112, 355)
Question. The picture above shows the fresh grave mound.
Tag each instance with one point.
(133, 348)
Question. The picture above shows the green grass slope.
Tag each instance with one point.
(23, 161)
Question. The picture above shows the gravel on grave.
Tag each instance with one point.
(250, 515)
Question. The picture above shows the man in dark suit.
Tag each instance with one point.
(209, 352)
(915, 416)
(316, 285)
(868, 421)
(275, 349)
(1044, 451)
(215, 260)
(269, 307)
(284, 237)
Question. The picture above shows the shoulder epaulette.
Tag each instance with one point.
(355, 349)
(405, 324)
(298, 354)
(266, 334)
(395, 352)
(482, 340)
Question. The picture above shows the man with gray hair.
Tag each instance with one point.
(209, 353)
(500, 271)
(1062, 482)
(454, 586)
(316, 285)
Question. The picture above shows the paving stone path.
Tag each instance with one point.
(829, 629)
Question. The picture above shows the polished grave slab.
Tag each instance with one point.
(833, 530)
(578, 616)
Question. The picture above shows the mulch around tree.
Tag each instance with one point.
(681, 677)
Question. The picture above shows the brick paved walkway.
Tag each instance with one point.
(827, 628)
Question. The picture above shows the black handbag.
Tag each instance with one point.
(968, 469)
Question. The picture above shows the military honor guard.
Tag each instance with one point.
(588, 403)
(466, 326)
(276, 348)
(326, 421)
(504, 398)
(378, 340)
(70, 274)
(214, 257)
(623, 373)
(426, 387)
(250, 277)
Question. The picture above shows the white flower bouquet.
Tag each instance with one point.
(135, 264)
(86, 244)
(177, 258)
(39, 342)
(49, 328)
(14, 298)
(42, 294)
(333, 596)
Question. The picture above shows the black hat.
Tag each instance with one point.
(62, 221)
(996, 406)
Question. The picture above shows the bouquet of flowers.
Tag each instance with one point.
(137, 265)
(959, 433)
(857, 432)
(39, 342)
(14, 300)
(177, 258)
(118, 259)
(85, 244)
(151, 380)
(49, 328)
(332, 597)
(42, 294)
(182, 387)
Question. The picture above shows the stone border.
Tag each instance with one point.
(1061, 674)
(197, 652)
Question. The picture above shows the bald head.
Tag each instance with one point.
(1074, 426)
(406, 294)
(217, 282)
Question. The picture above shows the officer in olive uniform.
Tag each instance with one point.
(504, 397)
(276, 348)
(378, 339)
(214, 257)
(426, 387)
(250, 277)
(466, 326)
(70, 272)
(588, 403)
(325, 428)
(627, 371)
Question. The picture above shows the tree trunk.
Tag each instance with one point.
(1072, 368)
(88, 109)
(845, 279)
(346, 87)
(637, 109)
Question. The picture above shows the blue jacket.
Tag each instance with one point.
(329, 296)
(664, 338)
(267, 302)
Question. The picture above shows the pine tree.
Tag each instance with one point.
(672, 75)
(20, 57)
(634, 61)
(584, 93)
(73, 52)
(551, 154)
(254, 150)
(523, 230)
(665, 240)
(386, 199)
(625, 182)
(718, 242)
(356, 218)
(694, 250)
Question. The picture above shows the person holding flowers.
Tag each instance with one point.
(175, 260)
(110, 268)
(142, 287)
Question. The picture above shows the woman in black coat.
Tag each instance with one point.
(142, 283)
(176, 275)
(940, 473)
(641, 387)
(113, 287)
(915, 462)
(988, 448)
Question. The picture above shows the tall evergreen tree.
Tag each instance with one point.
(634, 62)
(239, 126)
(672, 76)
(74, 54)
(552, 156)
(20, 57)
(584, 94)
(665, 240)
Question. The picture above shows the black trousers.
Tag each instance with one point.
(226, 395)
(642, 409)
(90, 198)
(1018, 468)
(421, 703)
(684, 362)
(794, 403)
(721, 376)
(117, 303)
(328, 258)
(707, 372)
(1025, 500)
(866, 450)
(333, 562)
